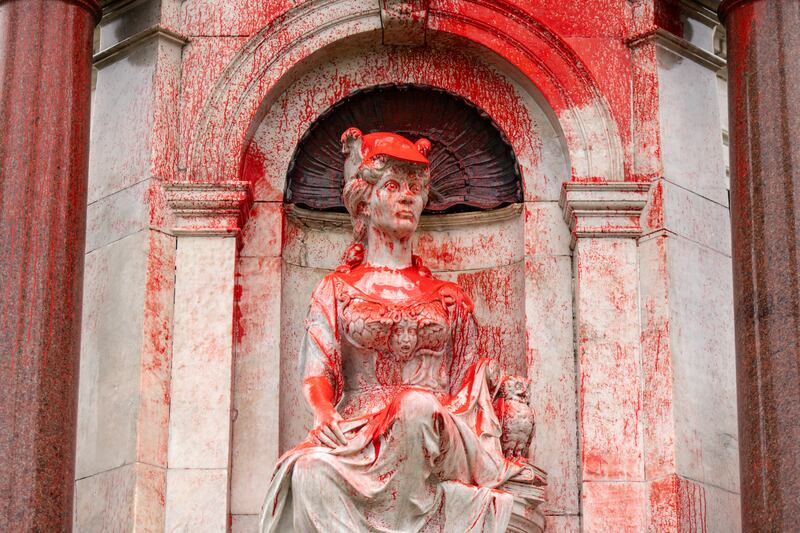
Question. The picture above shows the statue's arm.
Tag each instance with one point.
(321, 366)
(319, 394)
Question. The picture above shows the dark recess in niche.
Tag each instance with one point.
(472, 166)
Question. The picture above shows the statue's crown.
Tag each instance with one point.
(386, 144)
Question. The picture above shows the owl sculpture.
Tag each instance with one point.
(516, 416)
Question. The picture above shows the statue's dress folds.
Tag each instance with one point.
(423, 451)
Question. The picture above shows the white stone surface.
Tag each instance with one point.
(722, 510)
(562, 524)
(197, 501)
(199, 427)
(105, 501)
(609, 359)
(702, 338)
(127, 498)
(257, 379)
(697, 218)
(156, 355)
(124, 95)
(263, 232)
(295, 415)
(498, 295)
(686, 213)
(690, 126)
(117, 215)
(244, 523)
(546, 233)
(551, 369)
(614, 507)
(111, 342)
(315, 247)
(657, 395)
(480, 242)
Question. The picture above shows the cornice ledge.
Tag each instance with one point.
(602, 210)
(157, 31)
(680, 46)
(324, 220)
(208, 209)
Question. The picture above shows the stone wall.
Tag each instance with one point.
(611, 292)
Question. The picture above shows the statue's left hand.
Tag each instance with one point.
(328, 433)
(319, 393)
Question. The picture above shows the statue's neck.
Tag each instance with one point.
(386, 251)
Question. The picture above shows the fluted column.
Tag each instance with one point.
(764, 99)
(45, 72)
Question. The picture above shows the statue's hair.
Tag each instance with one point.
(359, 179)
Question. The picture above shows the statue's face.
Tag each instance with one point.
(397, 200)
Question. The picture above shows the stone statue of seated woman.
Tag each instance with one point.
(414, 430)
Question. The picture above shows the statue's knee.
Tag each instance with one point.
(419, 404)
(305, 469)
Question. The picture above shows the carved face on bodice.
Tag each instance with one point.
(398, 327)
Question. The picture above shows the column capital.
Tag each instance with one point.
(208, 209)
(600, 210)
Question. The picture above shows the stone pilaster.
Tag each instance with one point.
(130, 269)
(207, 222)
(604, 222)
(689, 403)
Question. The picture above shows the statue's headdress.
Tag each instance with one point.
(367, 157)
(364, 150)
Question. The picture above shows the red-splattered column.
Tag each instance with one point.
(45, 71)
(208, 220)
(604, 222)
(764, 98)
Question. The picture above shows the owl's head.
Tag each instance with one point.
(516, 388)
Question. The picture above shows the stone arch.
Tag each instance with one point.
(537, 142)
(269, 61)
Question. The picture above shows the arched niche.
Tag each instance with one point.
(514, 261)
(276, 55)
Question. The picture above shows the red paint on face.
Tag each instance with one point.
(396, 203)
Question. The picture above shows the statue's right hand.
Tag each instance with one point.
(328, 433)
